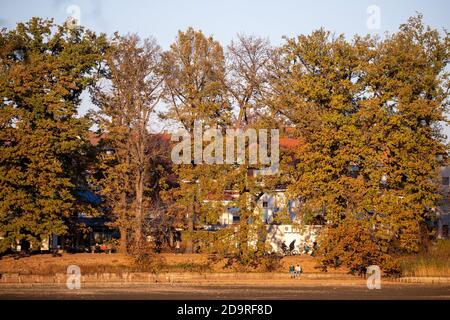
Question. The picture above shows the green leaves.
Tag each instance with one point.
(44, 71)
(361, 104)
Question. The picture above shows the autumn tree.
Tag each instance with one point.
(248, 59)
(195, 92)
(44, 68)
(370, 126)
(126, 98)
(247, 63)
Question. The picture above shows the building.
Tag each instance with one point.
(280, 214)
(270, 207)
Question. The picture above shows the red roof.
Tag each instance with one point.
(289, 143)
(285, 142)
(95, 138)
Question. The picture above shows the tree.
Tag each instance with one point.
(195, 91)
(126, 99)
(370, 128)
(247, 62)
(44, 70)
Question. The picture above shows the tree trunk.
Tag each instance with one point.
(123, 247)
(189, 242)
(139, 207)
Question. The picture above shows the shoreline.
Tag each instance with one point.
(129, 278)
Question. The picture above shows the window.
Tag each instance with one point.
(265, 204)
(445, 181)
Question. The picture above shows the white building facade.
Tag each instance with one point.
(280, 232)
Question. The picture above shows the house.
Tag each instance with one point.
(280, 215)
(301, 236)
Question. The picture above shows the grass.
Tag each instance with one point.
(435, 262)
(46, 264)
(186, 267)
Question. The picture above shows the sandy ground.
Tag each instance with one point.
(303, 288)
(297, 290)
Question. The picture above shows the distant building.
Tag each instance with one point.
(280, 215)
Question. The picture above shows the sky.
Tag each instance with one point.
(225, 19)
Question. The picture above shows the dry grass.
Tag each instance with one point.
(45, 264)
(309, 264)
(433, 263)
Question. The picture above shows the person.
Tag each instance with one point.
(306, 249)
(56, 251)
(298, 270)
(284, 247)
(314, 249)
(292, 271)
(292, 247)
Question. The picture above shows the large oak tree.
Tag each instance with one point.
(44, 68)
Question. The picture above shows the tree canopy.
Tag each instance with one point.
(366, 114)
(44, 70)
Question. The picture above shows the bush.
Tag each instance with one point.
(145, 258)
(352, 244)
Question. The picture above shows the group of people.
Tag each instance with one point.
(310, 248)
(295, 271)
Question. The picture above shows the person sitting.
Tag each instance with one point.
(306, 249)
(56, 251)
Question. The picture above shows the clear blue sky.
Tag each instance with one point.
(224, 19)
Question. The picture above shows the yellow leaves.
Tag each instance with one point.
(42, 78)
(371, 105)
(194, 70)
